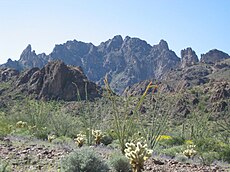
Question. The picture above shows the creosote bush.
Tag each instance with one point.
(40, 118)
(83, 160)
(119, 163)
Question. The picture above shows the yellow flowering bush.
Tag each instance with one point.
(189, 142)
(163, 137)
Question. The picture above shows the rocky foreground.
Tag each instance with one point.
(26, 154)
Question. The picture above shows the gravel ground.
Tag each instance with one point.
(24, 154)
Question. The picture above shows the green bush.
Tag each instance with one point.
(207, 144)
(181, 157)
(63, 140)
(119, 163)
(225, 154)
(173, 141)
(42, 118)
(3, 167)
(4, 127)
(172, 151)
(83, 160)
(209, 157)
(106, 140)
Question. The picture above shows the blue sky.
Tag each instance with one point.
(200, 24)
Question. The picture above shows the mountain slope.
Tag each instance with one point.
(125, 61)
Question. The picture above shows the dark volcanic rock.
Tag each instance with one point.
(7, 73)
(220, 91)
(137, 89)
(56, 81)
(126, 62)
(188, 57)
(213, 56)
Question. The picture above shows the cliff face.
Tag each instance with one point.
(188, 58)
(125, 61)
(56, 81)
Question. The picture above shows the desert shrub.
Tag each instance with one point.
(83, 160)
(4, 125)
(106, 140)
(4, 167)
(209, 157)
(207, 144)
(114, 145)
(225, 153)
(172, 151)
(181, 157)
(43, 118)
(63, 140)
(171, 141)
(176, 140)
(119, 163)
(127, 118)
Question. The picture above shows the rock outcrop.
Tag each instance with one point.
(7, 74)
(30, 59)
(125, 61)
(213, 56)
(188, 57)
(57, 81)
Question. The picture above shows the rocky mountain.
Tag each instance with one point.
(213, 56)
(124, 61)
(55, 81)
(205, 87)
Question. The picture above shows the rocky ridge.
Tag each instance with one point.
(125, 61)
(55, 81)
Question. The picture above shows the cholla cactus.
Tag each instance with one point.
(51, 137)
(21, 124)
(137, 154)
(97, 135)
(80, 140)
(190, 152)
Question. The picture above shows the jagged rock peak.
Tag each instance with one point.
(213, 56)
(118, 38)
(27, 50)
(188, 57)
(163, 44)
(115, 43)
